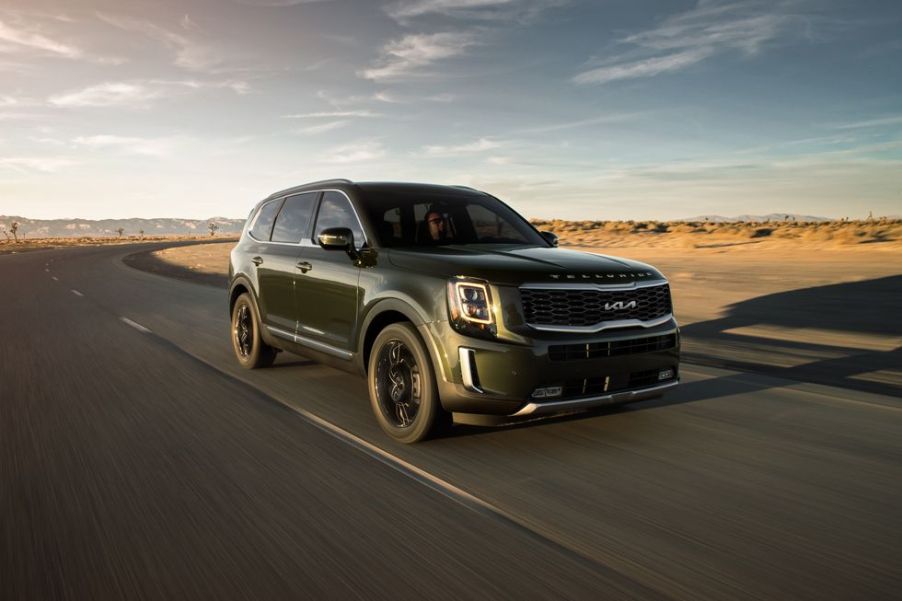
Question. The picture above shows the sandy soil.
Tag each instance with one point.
(705, 280)
(884, 234)
(10, 246)
(826, 314)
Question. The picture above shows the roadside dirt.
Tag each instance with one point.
(823, 315)
(705, 281)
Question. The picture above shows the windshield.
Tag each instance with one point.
(410, 219)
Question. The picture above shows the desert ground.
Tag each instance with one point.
(786, 302)
(711, 265)
(11, 246)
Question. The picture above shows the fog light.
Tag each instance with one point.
(665, 374)
(548, 392)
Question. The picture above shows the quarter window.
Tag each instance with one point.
(265, 218)
(335, 211)
(294, 219)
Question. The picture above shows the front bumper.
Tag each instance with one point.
(500, 378)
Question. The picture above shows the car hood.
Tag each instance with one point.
(518, 265)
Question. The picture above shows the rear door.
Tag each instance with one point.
(328, 292)
(278, 270)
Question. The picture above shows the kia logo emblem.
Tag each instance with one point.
(619, 306)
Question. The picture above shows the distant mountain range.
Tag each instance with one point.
(757, 218)
(65, 228)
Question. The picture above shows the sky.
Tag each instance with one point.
(572, 109)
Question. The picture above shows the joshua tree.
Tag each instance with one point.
(14, 228)
(120, 231)
(141, 234)
(213, 227)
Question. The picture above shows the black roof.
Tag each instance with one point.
(383, 187)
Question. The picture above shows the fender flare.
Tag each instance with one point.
(378, 308)
(241, 280)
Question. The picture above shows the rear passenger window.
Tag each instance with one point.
(335, 211)
(294, 219)
(265, 217)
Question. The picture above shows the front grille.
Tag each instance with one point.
(589, 307)
(594, 350)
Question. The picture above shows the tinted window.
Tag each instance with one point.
(335, 211)
(490, 225)
(294, 219)
(410, 219)
(265, 217)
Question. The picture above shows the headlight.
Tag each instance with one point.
(470, 306)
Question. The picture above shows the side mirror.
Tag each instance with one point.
(550, 237)
(336, 238)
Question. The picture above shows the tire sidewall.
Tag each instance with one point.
(429, 402)
(253, 358)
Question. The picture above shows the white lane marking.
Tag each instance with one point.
(135, 325)
(76, 292)
(54, 278)
(451, 491)
(47, 270)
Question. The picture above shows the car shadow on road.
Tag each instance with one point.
(857, 314)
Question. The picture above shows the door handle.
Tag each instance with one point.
(304, 266)
(257, 261)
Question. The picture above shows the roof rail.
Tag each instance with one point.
(334, 180)
(468, 188)
(337, 180)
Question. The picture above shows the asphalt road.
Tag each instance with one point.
(138, 461)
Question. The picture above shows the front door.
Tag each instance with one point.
(328, 292)
(278, 271)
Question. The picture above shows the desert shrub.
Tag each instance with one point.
(762, 232)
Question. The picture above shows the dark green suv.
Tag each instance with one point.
(446, 300)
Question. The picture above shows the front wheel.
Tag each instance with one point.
(250, 350)
(402, 385)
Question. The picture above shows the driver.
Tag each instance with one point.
(436, 225)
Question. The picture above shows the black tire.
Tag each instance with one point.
(402, 386)
(250, 350)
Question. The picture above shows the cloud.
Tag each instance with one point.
(480, 145)
(139, 93)
(878, 122)
(580, 123)
(407, 56)
(644, 68)
(688, 38)
(406, 10)
(381, 97)
(322, 127)
(332, 114)
(155, 147)
(276, 3)
(355, 152)
(189, 54)
(42, 164)
(107, 94)
(34, 41)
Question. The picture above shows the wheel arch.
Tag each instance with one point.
(239, 286)
(382, 314)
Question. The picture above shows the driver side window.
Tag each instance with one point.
(335, 211)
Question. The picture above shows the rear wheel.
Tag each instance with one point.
(402, 385)
(250, 349)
